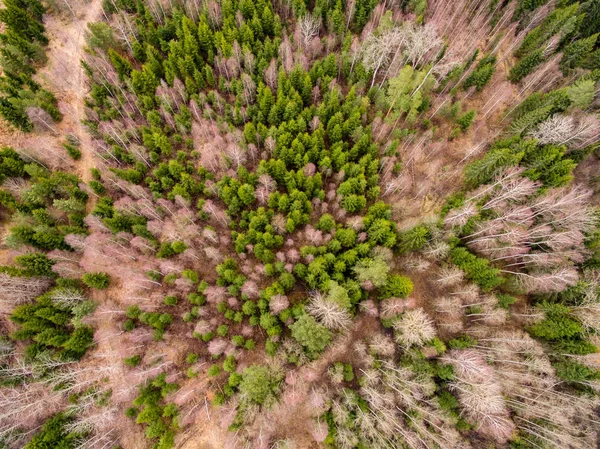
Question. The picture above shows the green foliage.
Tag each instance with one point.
(120, 63)
(20, 52)
(11, 164)
(396, 286)
(560, 20)
(170, 300)
(258, 384)
(133, 361)
(168, 249)
(159, 321)
(465, 120)
(374, 271)
(482, 73)
(339, 295)
(557, 324)
(326, 223)
(34, 264)
(591, 19)
(53, 204)
(406, 92)
(311, 335)
(526, 66)
(97, 187)
(546, 163)
(505, 301)
(72, 150)
(574, 372)
(159, 420)
(581, 93)
(128, 325)
(476, 269)
(53, 435)
(53, 327)
(576, 52)
(98, 281)
(278, 145)
(462, 342)
(524, 6)
(100, 36)
(214, 370)
(414, 239)
(229, 364)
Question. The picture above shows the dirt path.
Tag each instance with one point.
(64, 75)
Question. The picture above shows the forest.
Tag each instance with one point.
(300, 224)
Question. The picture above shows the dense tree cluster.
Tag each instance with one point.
(569, 29)
(53, 322)
(51, 203)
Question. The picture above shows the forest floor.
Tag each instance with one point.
(64, 72)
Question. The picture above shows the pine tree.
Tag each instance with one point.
(575, 53)
(25, 17)
(121, 64)
(525, 66)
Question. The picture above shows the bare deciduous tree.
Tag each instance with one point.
(414, 328)
(328, 313)
(308, 26)
(567, 130)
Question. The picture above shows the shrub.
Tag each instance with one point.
(98, 281)
(482, 74)
(191, 358)
(214, 370)
(465, 120)
(413, 239)
(50, 329)
(191, 275)
(170, 300)
(505, 301)
(97, 187)
(326, 223)
(229, 364)
(36, 264)
(574, 372)
(576, 52)
(196, 299)
(159, 418)
(396, 286)
(557, 323)
(72, 151)
(128, 325)
(238, 340)
(374, 271)
(133, 361)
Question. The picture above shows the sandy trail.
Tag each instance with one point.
(64, 75)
